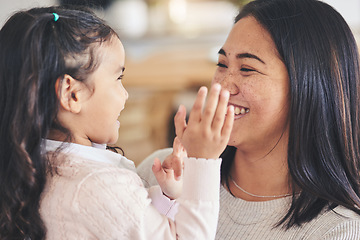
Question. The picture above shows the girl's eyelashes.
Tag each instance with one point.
(120, 77)
(122, 74)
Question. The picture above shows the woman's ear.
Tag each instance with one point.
(69, 92)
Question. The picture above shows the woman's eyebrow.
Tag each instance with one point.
(222, 52)
(243, 55)
(249, 55)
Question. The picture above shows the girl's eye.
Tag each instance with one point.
(121, 77)
(221, 65)
(246, 70)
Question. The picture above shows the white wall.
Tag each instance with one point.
(8, 7)
(349, 9)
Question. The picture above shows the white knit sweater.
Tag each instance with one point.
(96, 194)
(244, 220)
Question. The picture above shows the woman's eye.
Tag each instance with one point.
(247, 70)
(221, 65)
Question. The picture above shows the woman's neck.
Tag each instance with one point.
(261, 174)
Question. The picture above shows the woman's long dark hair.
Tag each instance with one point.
(322, 59)
(35, 52)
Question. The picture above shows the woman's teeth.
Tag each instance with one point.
(241, 110)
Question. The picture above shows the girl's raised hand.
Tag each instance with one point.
(208, 130)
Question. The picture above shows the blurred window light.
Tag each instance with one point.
(178, 11)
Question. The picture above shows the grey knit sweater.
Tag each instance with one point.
(241, 219)
(244, 220)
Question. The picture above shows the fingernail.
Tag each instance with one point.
(226, 93)
(202, 88)
(217, 86)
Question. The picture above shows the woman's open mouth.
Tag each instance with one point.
(240, 110)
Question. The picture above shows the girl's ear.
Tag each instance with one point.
(69, 92)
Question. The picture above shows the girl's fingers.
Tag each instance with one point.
(177, 163)
(211, 105)
(177, 166)
(180, 121)
(177, 147)
(229, 120)
(221, 110)
(156, 165)
(196, 112)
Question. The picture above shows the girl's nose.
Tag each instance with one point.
(125, 92)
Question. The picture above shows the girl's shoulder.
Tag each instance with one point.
(89, 182)
(94, 195)
(82, 170)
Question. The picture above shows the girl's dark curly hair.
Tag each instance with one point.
(35, 52)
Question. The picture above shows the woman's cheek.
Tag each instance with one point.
(216, 78)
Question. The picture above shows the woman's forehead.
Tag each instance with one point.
(249, 36)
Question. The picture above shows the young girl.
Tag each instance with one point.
(61, 96)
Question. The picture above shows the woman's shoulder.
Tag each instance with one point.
(341, 214)
(161, 154)
(338, 223)
(144, 168)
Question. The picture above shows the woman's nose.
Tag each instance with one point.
(228, 82)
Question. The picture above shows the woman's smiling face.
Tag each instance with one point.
(250, 68)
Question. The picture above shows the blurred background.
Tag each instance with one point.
(171, 50)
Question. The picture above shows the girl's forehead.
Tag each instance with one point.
(112, 46)
(111, 53)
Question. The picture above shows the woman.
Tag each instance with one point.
(291, 168)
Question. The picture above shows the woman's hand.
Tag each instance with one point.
(169, 174)
(209, 127)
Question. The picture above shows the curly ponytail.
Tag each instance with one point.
(35, 52)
